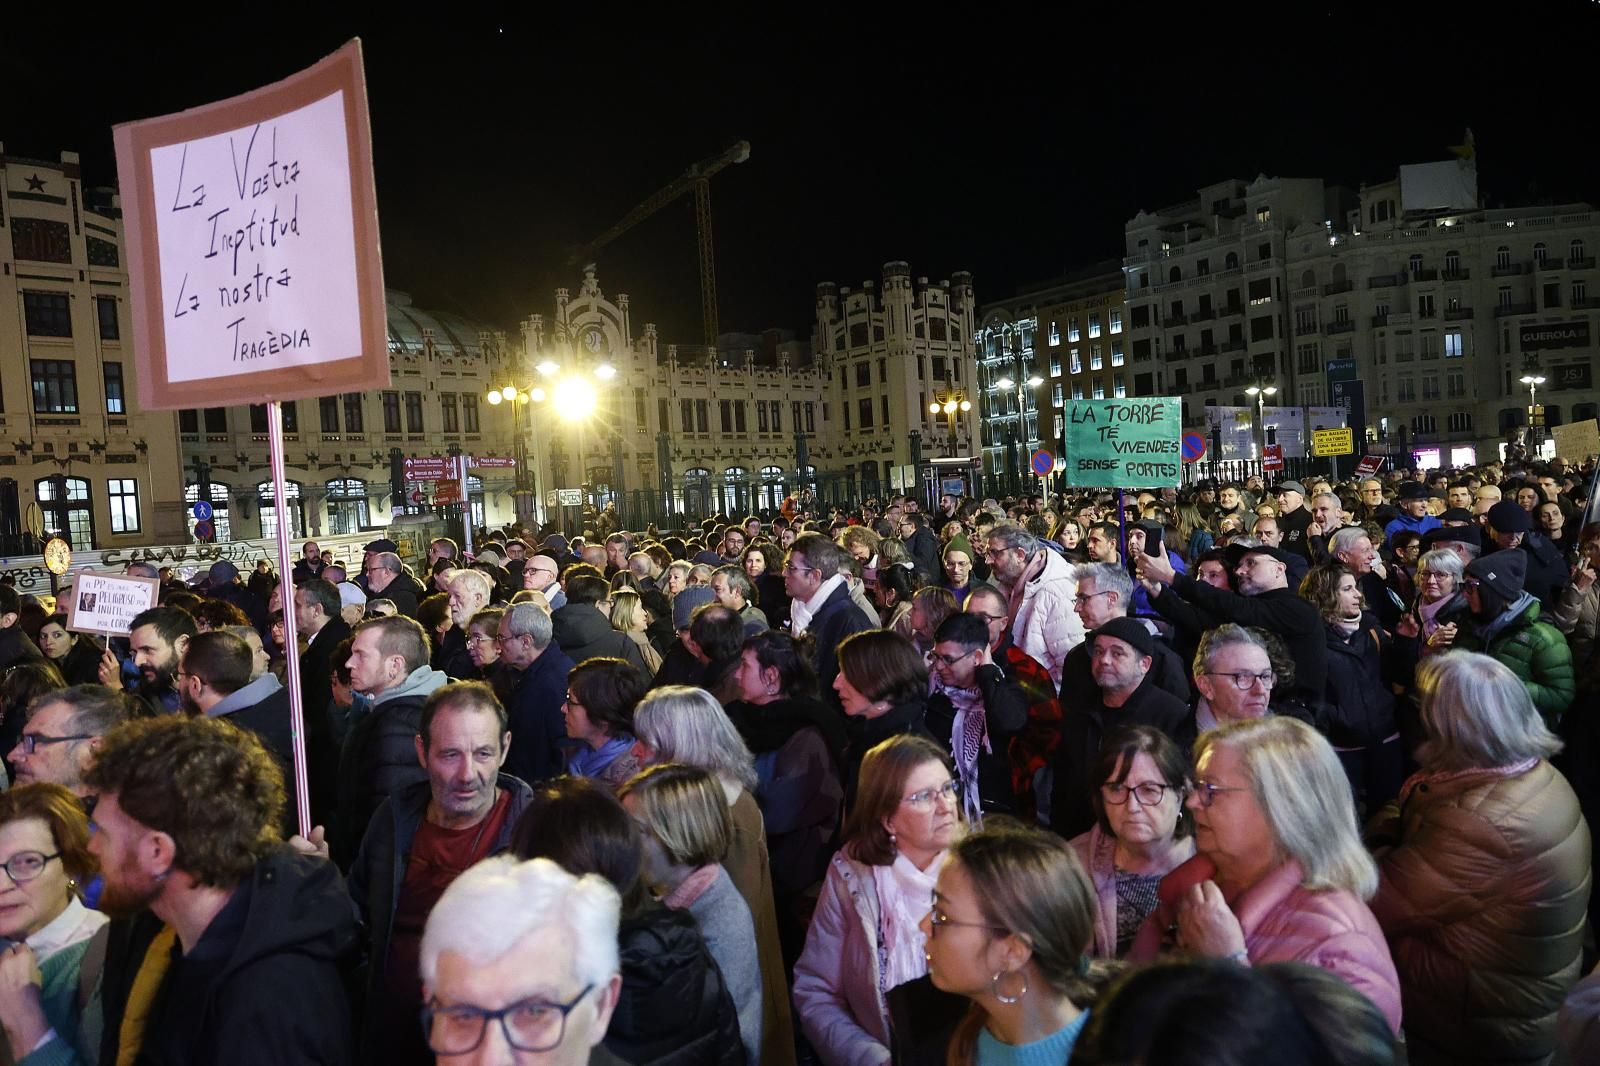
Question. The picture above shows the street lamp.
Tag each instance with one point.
(1535, 437)
(950, 405)
(1260, 393)
(1033, 381)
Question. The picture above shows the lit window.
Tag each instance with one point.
(1116, 322)
(1119, 387)
(1099, 390)
(1072, 329)
(123, 495)
(1116, 353)
(1095, 357)
(1094, 325)
(1055, 334)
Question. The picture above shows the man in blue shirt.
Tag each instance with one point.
(1413, 504)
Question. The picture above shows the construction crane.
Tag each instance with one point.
(698, 178)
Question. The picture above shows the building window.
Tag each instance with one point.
(1407, 390)
(469, 412)
(1099, 389)
(1260, 292)
(1072, 330)
(1077, 390)
(1452, 264)
(1453, 344)
(702, 416)
(1502, 258)
(1116, 353)
(738, 416)
(413, 412)
(1116, 322)
(1264, 214)
(725, 409)
(1095, 357)
(1341, 313)
(189, 421)
(777, 416)
(863, 374)
(1580, 293)
(761, 416)
(79, 517)
(116, 401)
(105, 310)
(1415, 265)
(55, 386)
(1055, 394)
(1094, 324)
(1456, 384)
(352, 412)
(686, 412)
(452, 418)
(329, 408)
(1055, 333)
(48, 314)
(216, 420)
(1055, 364)
(267, 506)
(391, 412)
(122, 493)
(1075, 362)
(258, 418)
(883, 371)
(1539, 252)
(864, 409)
(1119, 386)
(1575, 250)
(1425, 307)
(1503, 296)
(811, 421)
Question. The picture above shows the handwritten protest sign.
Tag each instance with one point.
(1577, 441)
(252, 236)
(1124, 443)
(107, 603)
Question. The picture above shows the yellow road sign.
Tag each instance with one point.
(1333, 442)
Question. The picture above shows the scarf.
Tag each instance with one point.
(584, 761)
(801, 612)
(968, 736)
(692, 888)
(1439, 777)
(1429, 614)
(142, 997)
(904, 893)
(1507, 616)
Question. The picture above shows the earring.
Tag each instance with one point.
(994, 986)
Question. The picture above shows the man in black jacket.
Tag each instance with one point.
(416, 844)
(974, 711)
(317, 616)
(1105, 591)
(387, 578)
(15, 647)
(1294, 518)
(1125, 695)
(1264, 599)
(821, 607)
(922, 545)
(538, 690)
(225, 946)
(583, 632)
(1509, 527)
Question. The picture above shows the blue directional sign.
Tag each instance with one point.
(202, 510)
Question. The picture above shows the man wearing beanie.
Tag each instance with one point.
(1511, 528)
(1505, 626)
(1120, 655)
(1413, 502)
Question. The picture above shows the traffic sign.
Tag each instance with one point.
(1340, 441)
(1272, 457)
(1194, 447)
(492, 462)
(416, 497)
(1043, 463)
(1369, 465)
(427, 468)
(204, 531)
(202, 510)
(447, 490)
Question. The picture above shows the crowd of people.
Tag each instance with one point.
(1230, 773)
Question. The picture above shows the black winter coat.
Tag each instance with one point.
(316, 693)
(1280, 611)
(1005, 711)
(584, 633)
(537, 724)
(837, 619)
(1084, 725)
(674, 1009)
(1358, 705)
(378, 760)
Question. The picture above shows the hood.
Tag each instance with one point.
(578, 624)
(249, 696)
(297, 903)
(421, 682)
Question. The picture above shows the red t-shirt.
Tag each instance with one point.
(438, 857)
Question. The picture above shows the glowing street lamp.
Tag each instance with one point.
(1533, 381)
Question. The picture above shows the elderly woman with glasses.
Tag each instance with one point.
(865, 937)
(1439, 600)
(1484, 872)
(1142, 831)
(44, 852)
(1281, 874)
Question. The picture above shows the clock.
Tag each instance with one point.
(57, 556)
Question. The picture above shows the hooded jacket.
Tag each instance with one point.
(674, 1009)
(1043, 623)
(1533, 650)
(1484, 879)
(584, 633)
(262, 986)
(262, 707)
(379, 756)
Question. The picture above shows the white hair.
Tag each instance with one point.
(498, 902)
(476, 578)
(1345, 540)
(1478, 715)
(685, 724)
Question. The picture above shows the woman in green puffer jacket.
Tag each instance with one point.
(1505, 626)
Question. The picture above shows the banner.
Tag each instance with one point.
(108, 603)
(1234, 430)
(1126, 443)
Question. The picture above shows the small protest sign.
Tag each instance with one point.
(108, 603)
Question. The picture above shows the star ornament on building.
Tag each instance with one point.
(36, 183)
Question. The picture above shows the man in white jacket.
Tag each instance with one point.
(1040, 586)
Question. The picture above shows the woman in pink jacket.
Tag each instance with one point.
(864, 937)
(1281, 875)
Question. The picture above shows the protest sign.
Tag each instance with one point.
(1124, 443)
(1578, 441)
(252, 236)
(108, 603)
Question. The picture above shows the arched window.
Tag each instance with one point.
(1502, 257)
(1539, 252)
(220, 494)
(1231, 262)
(267, 506)
(1415, 264)
(735, 490)
(347, 505)
(1452, 263)
(772, 487)
(1175, 275)
(70, 517)
(697, 492)
(1575, 250)
(1308, 280)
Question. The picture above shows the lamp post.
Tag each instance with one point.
(1023, 387)
(1533, 380)
(956, 401)
(1259, 393)
(575, 395)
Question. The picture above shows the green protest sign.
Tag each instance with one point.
(1124, 443)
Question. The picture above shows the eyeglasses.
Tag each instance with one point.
(1082, 598)
(989, 619)
(1207, 792)
(950, 660)
(27, 865)
(937, 919)
(32, 742)
(1432, 575)
(794, 569)
(1243, 680)
(483, 639)
(529, 1025)
(1148, 793)
(927, 797)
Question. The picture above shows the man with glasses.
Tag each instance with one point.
(540, 574)
(1104, 593)
(543, 988)
(1039, 585)
(470, 592)
(1032, 748)
(386, 577)
(63, 732)
(1233, 673)
(1264, 599)
(1121, 654)
(813, 576)
(538, 689)
(216, 924)
(420, 840)
(974, 711)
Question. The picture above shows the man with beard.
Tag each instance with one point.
(420, 839)
(225, 945)
(1039, 585)
(310, 565)
(157, 639)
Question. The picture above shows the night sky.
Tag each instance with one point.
(987, 142)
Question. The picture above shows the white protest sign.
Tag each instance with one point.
(252, 238)
(108, 603)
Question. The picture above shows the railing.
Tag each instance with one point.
(1383, 281)
(1514, 309)
(1549, 262)
(1456, 274)
(1424, 275)
(1379, 320)
(1334, 288)
(1333, 328)
(1456, 314)
(1506, 271)
(1581, 262)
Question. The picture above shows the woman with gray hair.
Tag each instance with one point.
(1281, 873)
(1484, 872)
(1438, 598)
(680, 724)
